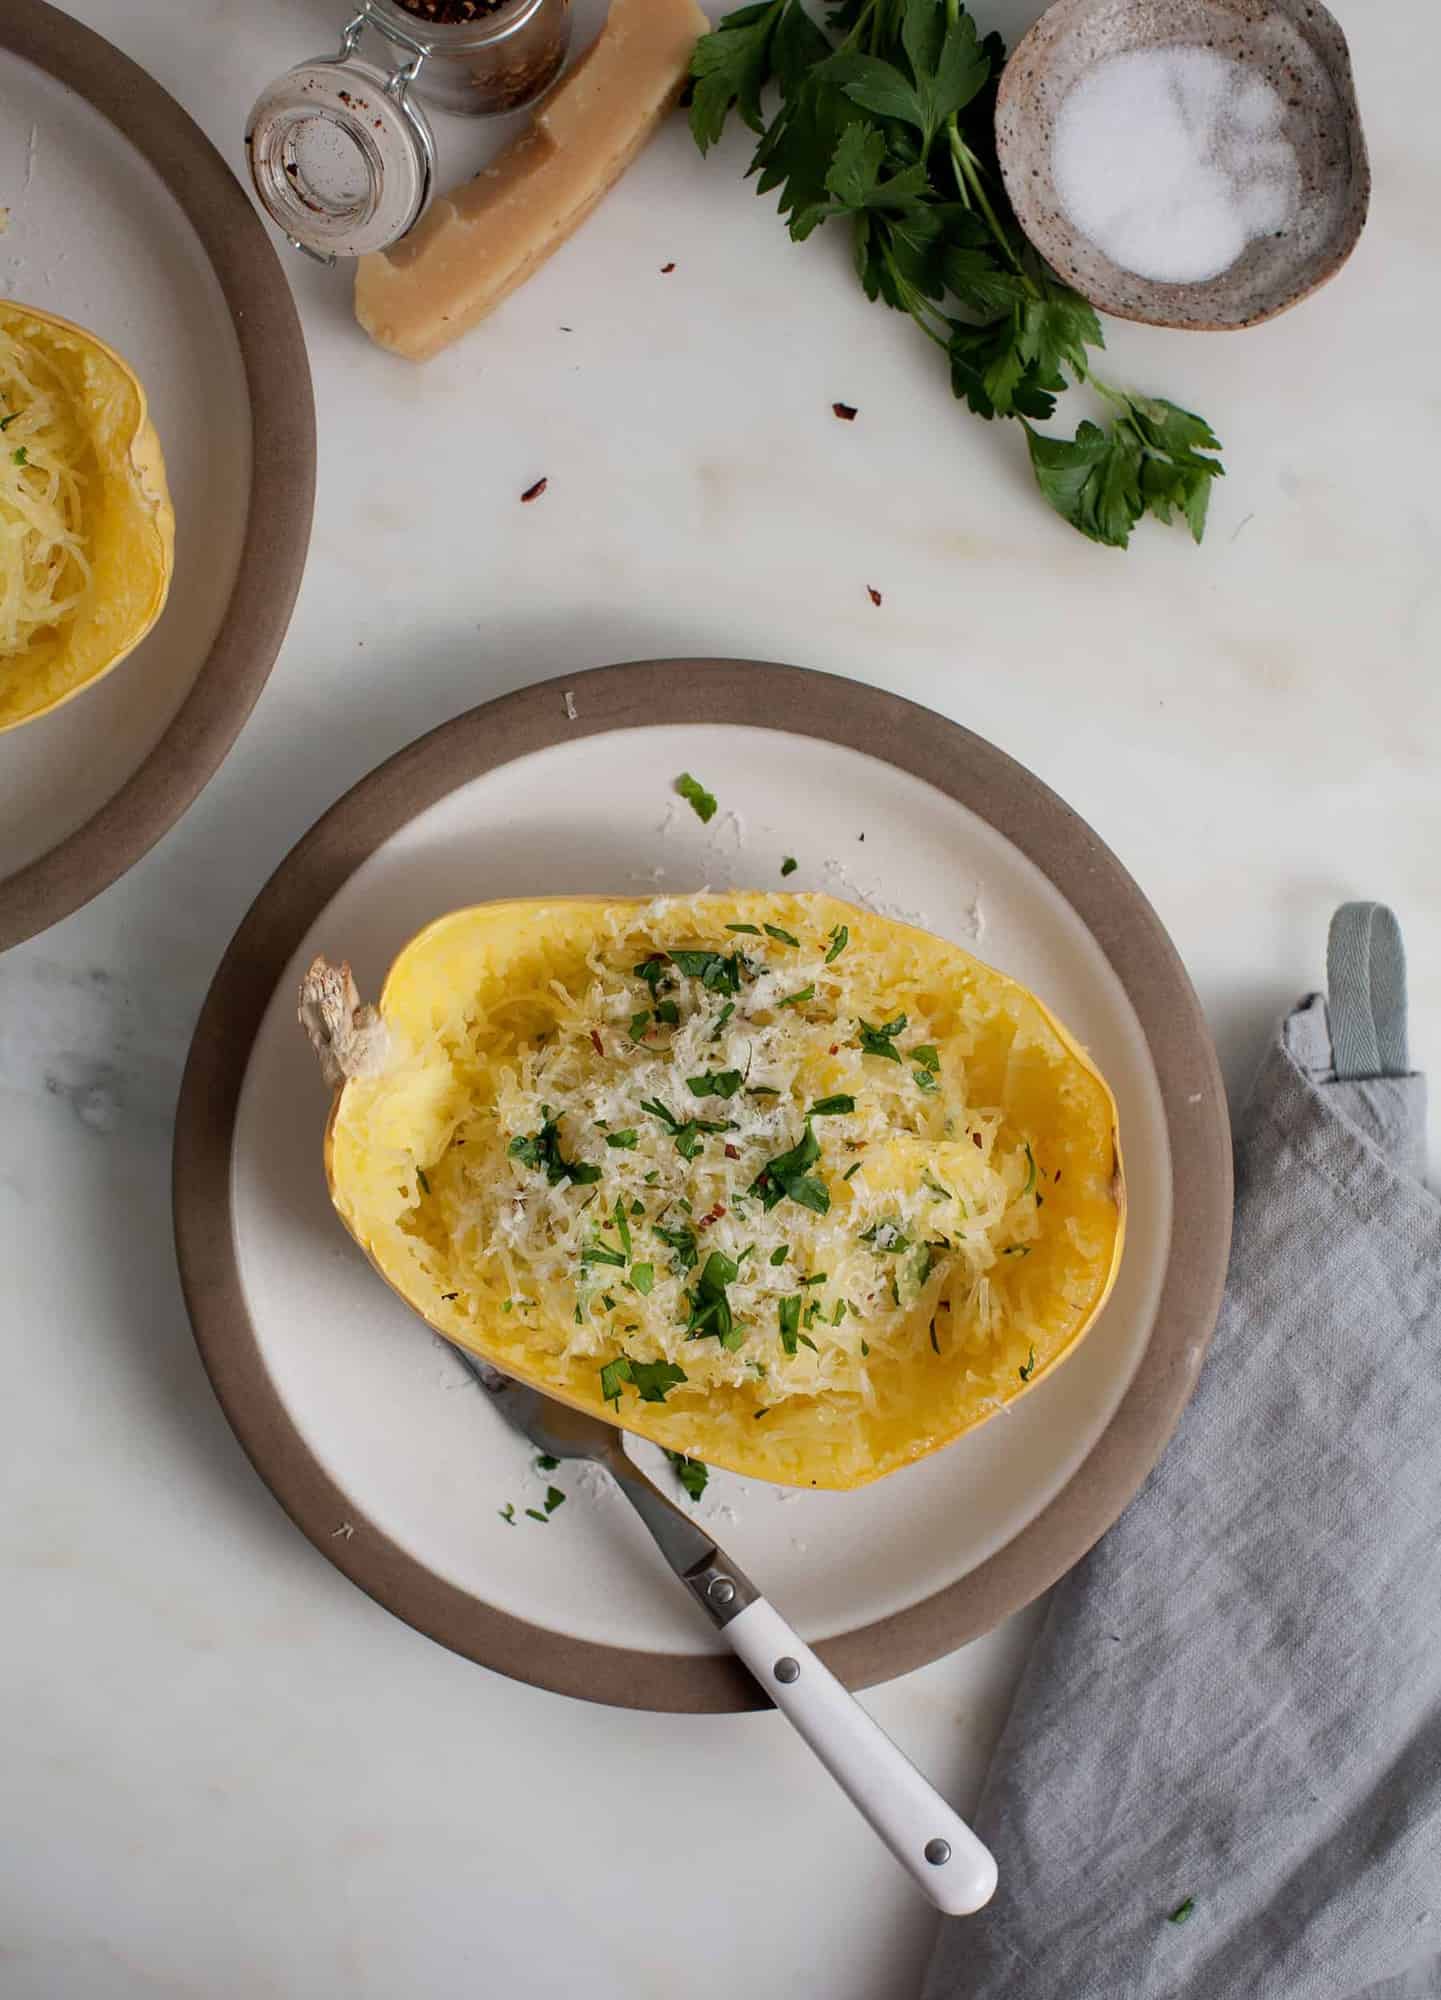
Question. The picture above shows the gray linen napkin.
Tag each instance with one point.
(1233, 1710)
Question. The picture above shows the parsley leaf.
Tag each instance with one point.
(701, 802)
(553, 1498)
(833, 1107)
(710, 1308)
(1182, 1911)
(507, 1513)
(624, 1142)
(788, 1176)
(797, 999)
(682, 1242)
(782, 937)
(882, 1041)
(750, 930)
(642, 1276)
(541, 1150)
(789, 1315)
(840, 938)
(721, 1019)
(612, 1375)
(789, 865)
(638, 1024)
(719, 1083)
(654, 1380)
(715, 972)
(690, 1472)
(778, 1256)
(1029, 1369)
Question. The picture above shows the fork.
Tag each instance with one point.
(931, 1842)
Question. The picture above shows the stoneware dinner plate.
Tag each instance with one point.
(373, 1435)
(120, 214)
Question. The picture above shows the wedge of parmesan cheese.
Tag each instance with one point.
(476, 245)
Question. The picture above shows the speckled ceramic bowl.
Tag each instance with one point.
(1296, 47)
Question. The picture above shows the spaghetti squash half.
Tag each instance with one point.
(87, 532)
(776, 1182)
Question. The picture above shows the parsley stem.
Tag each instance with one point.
(971, 184)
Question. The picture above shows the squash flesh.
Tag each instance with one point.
(933, 1256)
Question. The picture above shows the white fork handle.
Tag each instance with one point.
(931, 1842)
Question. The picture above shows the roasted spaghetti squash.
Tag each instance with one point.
(771, 1180)
(87, 533)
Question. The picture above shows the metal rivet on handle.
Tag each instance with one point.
(720, 1590)
(938, 1852)
(787, 1670)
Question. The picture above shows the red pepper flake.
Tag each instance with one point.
(715, 1215)
(596, 1043)
(732, 1152)
(534, 492)
(976, 1142)
(871, 592)
(666, 269)
(847, 412)
(835, 1048)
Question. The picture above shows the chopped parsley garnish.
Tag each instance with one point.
(840, 938)
(779, 1256)
(812, 1316)
(690, 1472)
(748, 930)
(1018, 1250)
(934, 1189)
(601, 1253)
(817, 1278)
(622, 1227)
(639, 1023)
(624, 1142)
(5, 422)
(789, 865)
(935, 1344)
(1182, 1911)
(682, 1241)
(833, 1107)
(686, 1132)
(642, 1276)
(20, 456)
(612, 1375)
(424, 1183)
(553, 1498)
(507, 1513)
(716, 973)
(782, 937)
(788, 1176)
(865, 1349)
(719, 1083)
(1030, 1169)
(924, 1080)
(637, 1208)
(840, 1312)
(667, 1012)
(851, 1172)
(789, 1314)
(797, 999)
(761, 1090)
(545, 1463)
(701, 802)
(1030, 1368)
(652, 970)
(655, 1379)
(542, 1151)
(534, 1514)
(886, 1236)
(882, 1041)
(721, 1019)
(925, 1057)
(710, 1309)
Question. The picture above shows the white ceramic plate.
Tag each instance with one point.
(394, 1421)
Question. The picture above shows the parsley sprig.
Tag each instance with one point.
(885, 118)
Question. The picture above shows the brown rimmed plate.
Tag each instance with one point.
(367, 1428)
(120, 214)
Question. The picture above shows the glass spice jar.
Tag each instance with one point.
(341, 152)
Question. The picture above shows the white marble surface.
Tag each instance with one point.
(225, 1772)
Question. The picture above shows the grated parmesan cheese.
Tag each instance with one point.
(44, 569)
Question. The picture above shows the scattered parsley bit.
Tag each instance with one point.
(882, 1041)
(923, 1080)
(865, 1349)
(782, 937)
(926, 1057)
(667, 1013)
(840, 1312)
(761, 1090)
(534, 1514)
(840, 938)
(652, 1177)
(1030, 1368)
(934, 1189)
(20, 456)
(935, 1344)
(424, 1183)
(788, 1176)
(601, 1253)
(642, 1276)
(682, 1241)
(1182, 1911)
(719, 1083)
(639, 1024)
(542, 1151)
(833, 1107)
(721, 1019)
(886, 1236)
(817, 1278)
(507, 1513)
(717, 973)
(5, 422)
(545, 1463)
(690, 1472)
(1030, 1170)
(553, 1498)
(654, 1380)
(1018, 1250)
(652, 970)
(612, 1375)
(624, 1142)
(797, 999)
(701, 802)
(622, 1226)
(779, 1256)
(750, 930)
(710, 1309)
(789, 865)
(789, 1315)
(851, 1172)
